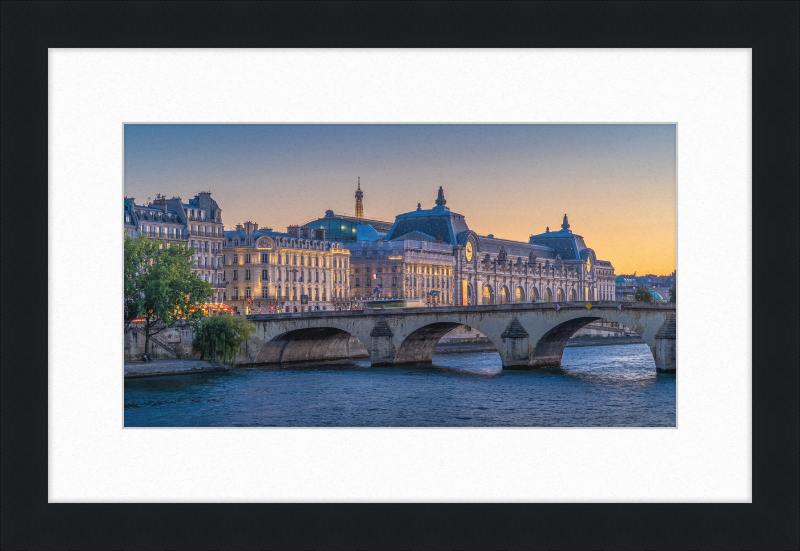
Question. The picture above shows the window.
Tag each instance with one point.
(264, 275)
(247, 274)
(235, 275)
(236, 259)
(235, 293)
(247, 293)
(247, 258)
(316, 261)
(264, 293)
(264, 258)
(358, 282)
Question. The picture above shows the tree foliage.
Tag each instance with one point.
(160, 286)
(643, 295)
(221, 337)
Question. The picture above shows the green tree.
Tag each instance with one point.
(643, 295)
(221, 336)
(136, 251)
(160, 286)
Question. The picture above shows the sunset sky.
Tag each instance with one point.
(615, 182)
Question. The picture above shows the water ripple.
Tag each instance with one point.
(605, 386)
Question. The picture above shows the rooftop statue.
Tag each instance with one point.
(440, 201)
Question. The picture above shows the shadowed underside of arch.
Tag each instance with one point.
(550, 348)
(314, 344)
(418, 347)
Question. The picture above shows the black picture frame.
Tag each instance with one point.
(769, 28)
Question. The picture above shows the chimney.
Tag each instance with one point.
(239, 227)
(204, 200)
(293, 230)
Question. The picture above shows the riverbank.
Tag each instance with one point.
(170, 367)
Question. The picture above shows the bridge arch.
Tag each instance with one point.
(303, 344)
(418, 346)
(547, 348)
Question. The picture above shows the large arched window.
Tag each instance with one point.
(572, 296)
(534, 294)
(487, 295)
(560, 296)
(519, 295)
(548, 295)
(504, 295)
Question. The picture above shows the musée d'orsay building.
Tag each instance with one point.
(433, 255)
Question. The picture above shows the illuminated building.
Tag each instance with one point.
(196, 224)
(550, 267)
(269, 272)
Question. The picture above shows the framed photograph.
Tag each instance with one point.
(83, 471)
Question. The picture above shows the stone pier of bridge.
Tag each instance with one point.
(526, 336)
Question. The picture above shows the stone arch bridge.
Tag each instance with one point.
(527, 335)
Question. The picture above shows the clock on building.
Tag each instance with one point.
(468, 252)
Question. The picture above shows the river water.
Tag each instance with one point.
(596, 386)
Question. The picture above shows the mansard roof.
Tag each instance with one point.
(415, 236)
(514, 248)
(259, 233)
(437, 222)
(569, 245)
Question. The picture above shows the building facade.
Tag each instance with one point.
(408, 268)
(432, 254)
(551, 267)
(196, 224)
(270, 272)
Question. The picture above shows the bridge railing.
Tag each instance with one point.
(578, 305)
